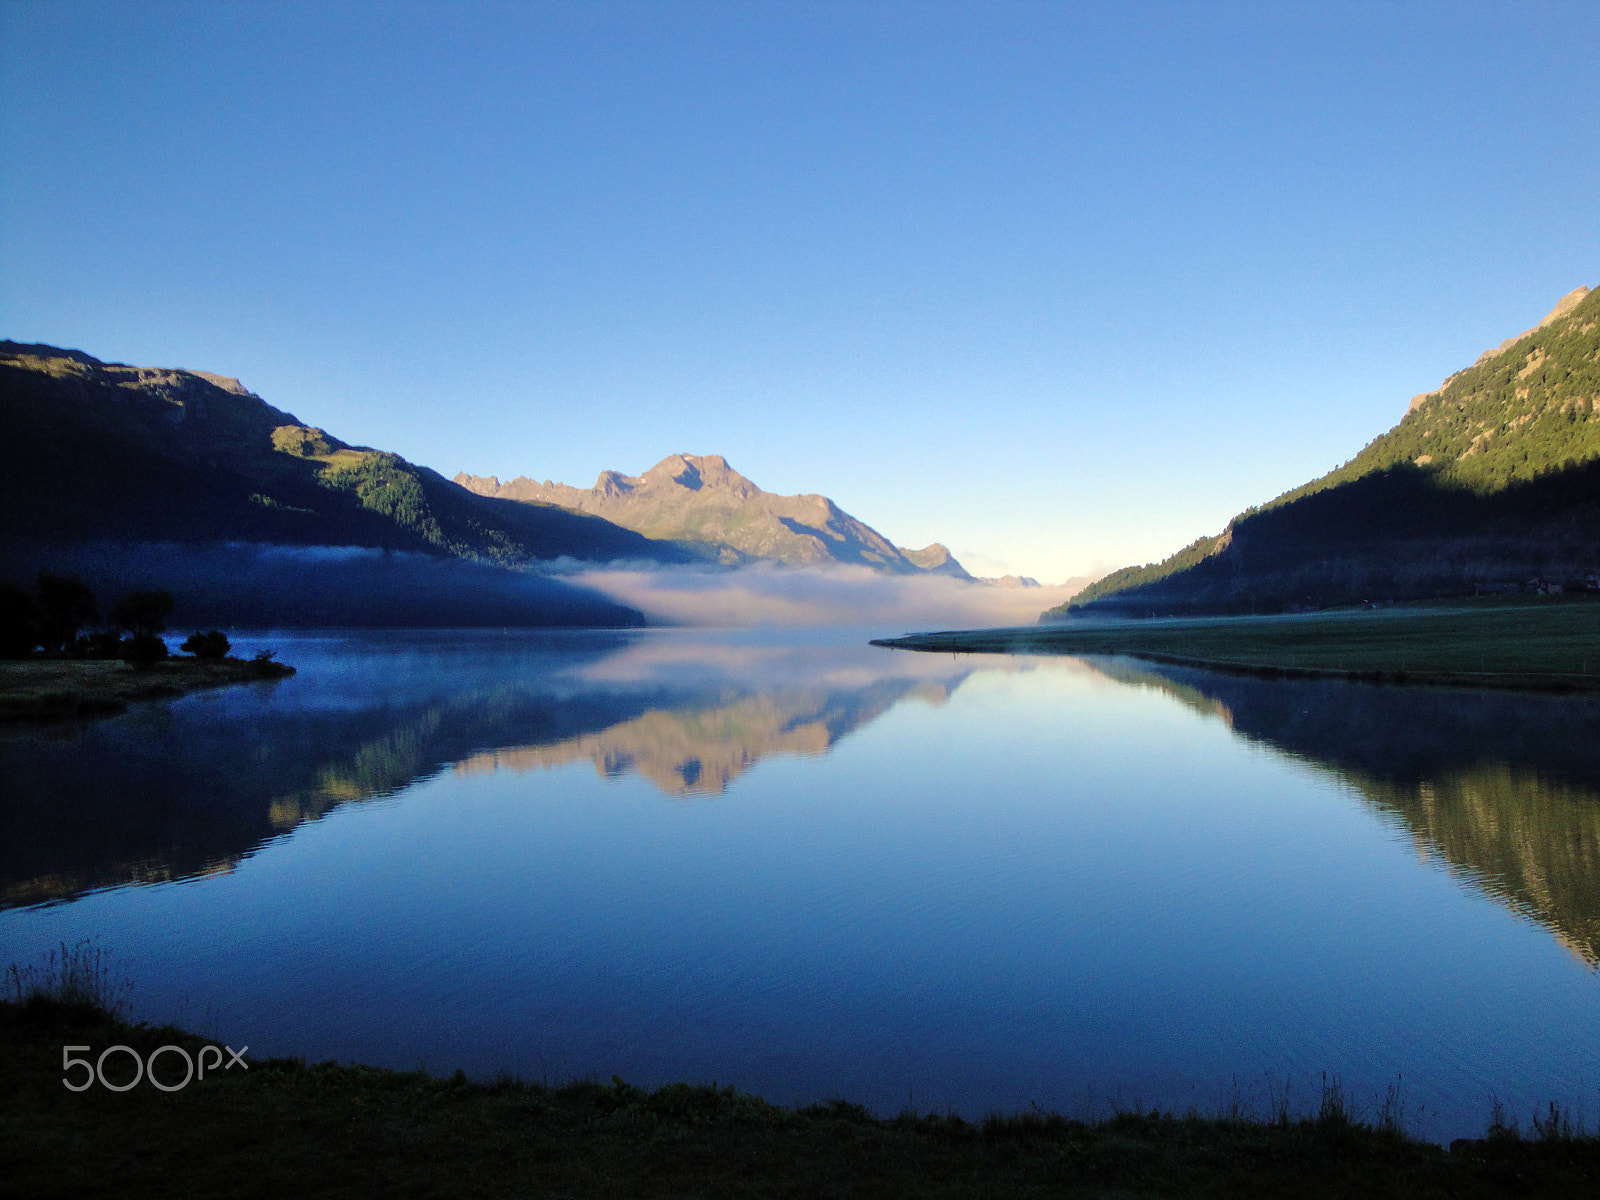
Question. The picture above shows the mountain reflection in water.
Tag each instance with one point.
(700, 751)
(1056, 880)
(1501, 789)
(180, 790)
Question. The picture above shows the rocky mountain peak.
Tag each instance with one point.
(936, 557)
(1563, 306)
(612, 484)
(702, 503)
(226, 382)
(694, 472)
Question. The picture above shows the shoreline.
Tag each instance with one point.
(63, 689)
(1563, 684)
(1529, 648)
(286, 1126)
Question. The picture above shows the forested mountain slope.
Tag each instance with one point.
(94, 451)
(1490, 481)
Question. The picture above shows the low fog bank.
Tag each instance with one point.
(270, 586)
(773, 594)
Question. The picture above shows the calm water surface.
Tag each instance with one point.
(813, 868)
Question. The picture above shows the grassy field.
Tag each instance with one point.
(281, 1128)
(1545, 643)
(44, 689)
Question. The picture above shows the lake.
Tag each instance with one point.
(812, 868)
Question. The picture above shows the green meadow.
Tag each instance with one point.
(1537, 642)
(45, 689)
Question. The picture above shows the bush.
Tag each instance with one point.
(103, 643)
(144, 648)
(211, 645)
(107, 643)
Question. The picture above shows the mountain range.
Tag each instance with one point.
(1490, 482)
(706, 507)
(135, 477)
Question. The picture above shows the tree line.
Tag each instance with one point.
(50, 619)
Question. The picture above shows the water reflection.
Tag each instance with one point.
(1059, 881)
(1501, 789)
(700, 751)
(180, 790)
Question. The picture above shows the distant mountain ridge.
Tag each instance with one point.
(704, 505)
(1490, 481)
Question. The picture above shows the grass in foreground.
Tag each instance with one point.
(1547, 643)
(46, 689)
(284, 1128)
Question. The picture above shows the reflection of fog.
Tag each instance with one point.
(754, 659)
(1502, 790)
(172, 791)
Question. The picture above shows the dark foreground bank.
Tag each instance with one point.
(46, 689)
(278, 1127)
(1549, 644)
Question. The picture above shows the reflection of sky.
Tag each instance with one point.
(1052, 888)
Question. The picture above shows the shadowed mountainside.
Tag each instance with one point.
(95, 451)
(1489, 481)
(709, 508)
(275, 586)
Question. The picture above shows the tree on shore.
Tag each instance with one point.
(52, 615)
(19, 622)
(65, 605)
(144, 615)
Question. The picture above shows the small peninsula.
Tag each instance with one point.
(53, 689)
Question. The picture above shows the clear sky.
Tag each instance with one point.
(1063, 286)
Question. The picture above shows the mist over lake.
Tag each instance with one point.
(813, 868)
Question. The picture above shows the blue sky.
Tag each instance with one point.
(1063, 286)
